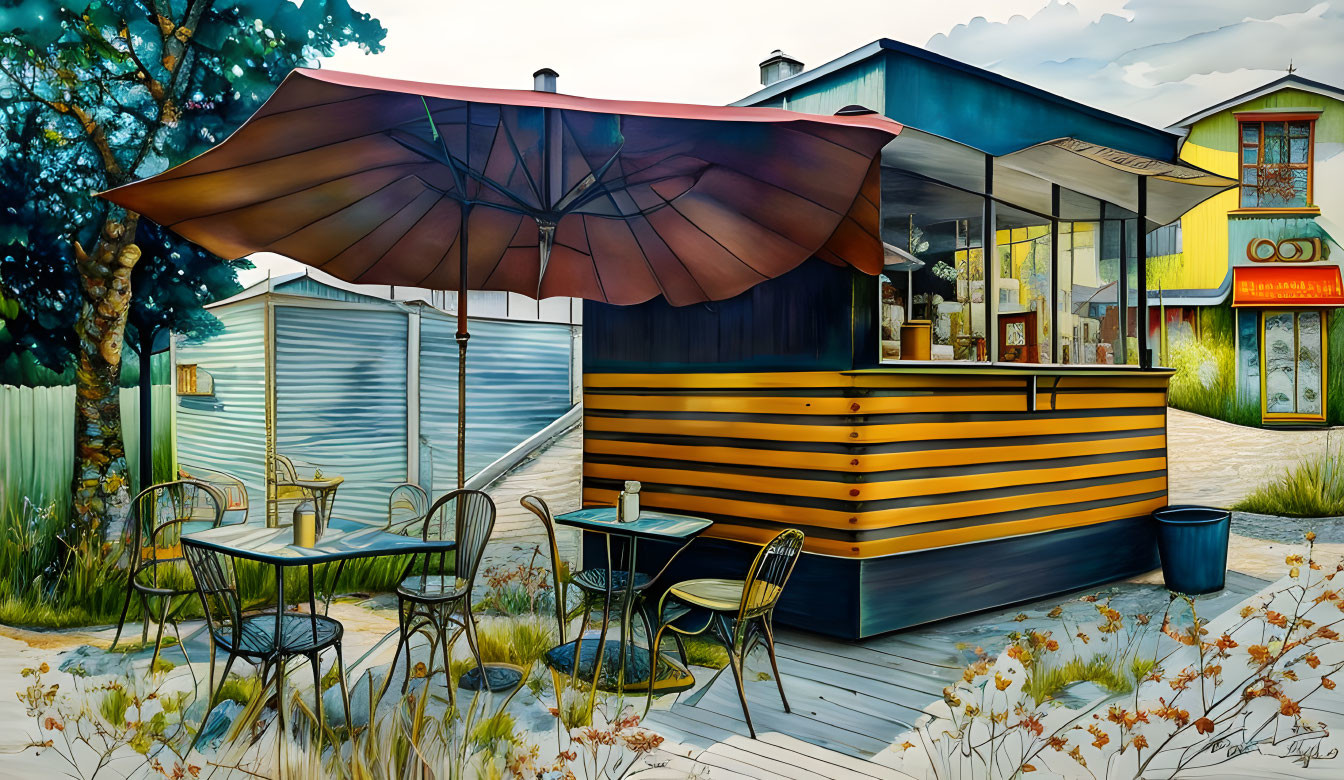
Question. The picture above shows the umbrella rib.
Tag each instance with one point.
(706, 233)
(675, 255)
(306, 188)
(517, 157)
(442, 257)
(249, 163)
(649, 264)
(328, 215)
(597, 272)
(400, 238)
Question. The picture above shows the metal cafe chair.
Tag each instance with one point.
(152, 538)
(235, 492)
(736, 613)
(407, 504)
(431, 596)
(537, 506)
(266, 639)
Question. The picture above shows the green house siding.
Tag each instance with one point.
(1220, 130)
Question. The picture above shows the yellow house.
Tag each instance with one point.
(1249, 282)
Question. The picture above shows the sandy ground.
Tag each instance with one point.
(1217, 463)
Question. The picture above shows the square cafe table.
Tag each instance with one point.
(649, 526)
(340, 542)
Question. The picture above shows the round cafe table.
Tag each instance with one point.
(635, 665)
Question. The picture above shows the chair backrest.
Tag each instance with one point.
(406, 506)
(153, 532)
(218, 589)
(537, 506)
(471, 516)
(769, 573)
(231, 487)
(283, 469)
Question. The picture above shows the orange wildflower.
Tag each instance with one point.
(1204, 726)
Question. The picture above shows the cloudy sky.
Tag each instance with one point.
(1151, 60)
(1154, 60)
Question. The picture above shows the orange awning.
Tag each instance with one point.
(1281, 285)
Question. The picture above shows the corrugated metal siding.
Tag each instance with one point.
(341, 400)
(862, 85)
(518, 381)
(227, 431)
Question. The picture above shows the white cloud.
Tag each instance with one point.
(1156, 60)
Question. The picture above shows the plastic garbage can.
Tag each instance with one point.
(1192, 541)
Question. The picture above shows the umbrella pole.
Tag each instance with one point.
(462, 337)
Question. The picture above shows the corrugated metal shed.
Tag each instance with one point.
(365, 387)
(340, 400)
(518, 381)
(227, 431)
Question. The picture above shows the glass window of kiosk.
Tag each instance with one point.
(932, 289)
(1091, 317)
(1023, 278)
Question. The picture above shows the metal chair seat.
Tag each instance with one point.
(593, 581)
(433, 587)
(723, 595)
(147, 578)
(256, 635)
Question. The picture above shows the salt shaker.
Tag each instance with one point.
(627, 511)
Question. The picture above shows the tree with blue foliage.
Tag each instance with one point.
(116, 90)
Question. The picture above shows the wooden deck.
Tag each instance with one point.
(850, 700)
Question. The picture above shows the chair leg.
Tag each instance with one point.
(774, 665)
(280, 696)
(125, 609)
(585, 607)
(158, 635)
(345, 689)
(214, 692)
(726, 636)
(448, 668)
(681, 650)
(392, 667)
(144, 613)
(735, 661)
(315, 660)
(471, 640)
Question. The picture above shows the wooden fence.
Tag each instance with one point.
(37, 440)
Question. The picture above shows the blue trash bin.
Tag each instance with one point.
(1192, 541)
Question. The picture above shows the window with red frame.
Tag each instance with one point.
(1276, 163)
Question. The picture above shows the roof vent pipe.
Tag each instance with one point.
(544, 80)
(779, 66)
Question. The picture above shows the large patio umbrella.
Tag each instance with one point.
(383, 181)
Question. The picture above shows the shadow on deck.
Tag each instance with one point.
(850, 700)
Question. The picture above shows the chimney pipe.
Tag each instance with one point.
(544, 80)
(779, 66)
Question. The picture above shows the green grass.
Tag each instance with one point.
(1046, 681)
(92, 589)
(522, 641)
(701, 651)
(1205, 379)
(1313, 488)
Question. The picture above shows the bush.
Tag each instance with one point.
(1313, 488)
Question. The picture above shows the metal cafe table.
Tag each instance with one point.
(274, 546)
(635, 663)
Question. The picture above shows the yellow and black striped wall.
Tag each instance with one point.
(924, 492)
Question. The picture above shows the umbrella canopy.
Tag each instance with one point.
(382, 181)
(375, 180)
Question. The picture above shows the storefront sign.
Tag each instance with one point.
(1287, 286)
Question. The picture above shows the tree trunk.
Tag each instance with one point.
(101, 484)
(146, 408)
